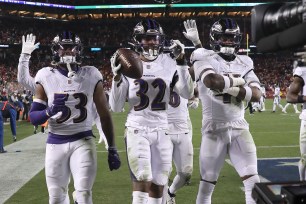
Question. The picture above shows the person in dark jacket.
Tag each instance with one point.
(8, 110)
(1, 134)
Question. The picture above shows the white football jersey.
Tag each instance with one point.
(276, 92)
(222, 107)
(177, 114)
(80, 98)
(148, 97)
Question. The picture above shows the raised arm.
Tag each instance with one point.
(185, 82)
(23, 74)
(119, 88)
(192, 33)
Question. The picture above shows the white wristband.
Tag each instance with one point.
(238, 81)
(234, 91)
(248, 93)
(197, 42)
(227, 82)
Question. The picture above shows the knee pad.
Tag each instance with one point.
(145, 176)
(57, 195)
(187, 170)
(160, 180)
(210, 176)
(248, 170)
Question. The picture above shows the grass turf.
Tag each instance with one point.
(271, 133)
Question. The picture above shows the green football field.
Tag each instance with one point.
(275, 134)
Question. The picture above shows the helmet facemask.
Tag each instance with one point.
(225, 37)
(147, 41)
(66, 50)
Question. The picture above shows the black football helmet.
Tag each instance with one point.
(225, 37)
(148, 30)
(66, 48)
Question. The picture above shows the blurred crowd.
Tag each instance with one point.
(109, 35)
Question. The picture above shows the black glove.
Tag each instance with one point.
(113, 158)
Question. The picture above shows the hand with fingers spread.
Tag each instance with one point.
(192, 33)
(115, 68)
(28, 44)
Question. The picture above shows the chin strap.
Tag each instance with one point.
(71, 73)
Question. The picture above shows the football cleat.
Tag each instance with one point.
(170, 198)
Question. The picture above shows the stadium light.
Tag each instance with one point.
(95, 49)
(167, 1)
(163, 4)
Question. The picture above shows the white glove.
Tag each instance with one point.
(28, 45)
(177, 48)
(192, 33)
(115, 68)
(193, 103)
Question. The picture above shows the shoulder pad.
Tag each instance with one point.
(246, 60)
(199, 54)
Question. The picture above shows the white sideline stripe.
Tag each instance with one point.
(259, 147)
(266, 147)
(280, 146)
(17, 168)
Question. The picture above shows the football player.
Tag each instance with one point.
(293, 104)
(148, 146)
(68, 96)
(262, 98)
(25, 79)
(1, 134)
(295, 94)
(277, 98)
(224, 80)
(180, 127)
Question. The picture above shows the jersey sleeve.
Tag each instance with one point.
(248, 73)
(199, 53)
(118, 94)
(40, 76)
(184, 84)
(199, 68)
(247, 62)
(23, 74)
(252, 80)
(96, 76)
(200, 59)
